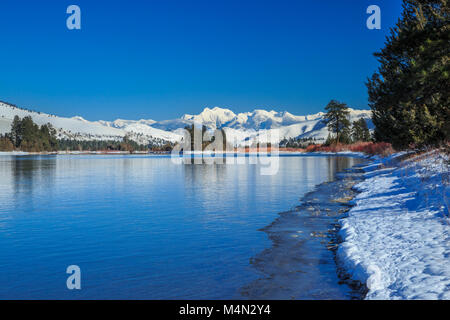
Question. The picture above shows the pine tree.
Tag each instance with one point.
(337, 120)
(16, 135)
(360, 131)
(28, 136)
(409, 95)
(366, 136)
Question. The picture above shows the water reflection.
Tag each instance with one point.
(141, 226)
(300, 263)
(29, 172)
(22, 178)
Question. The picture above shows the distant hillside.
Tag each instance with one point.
(78, 128)
(238, 127)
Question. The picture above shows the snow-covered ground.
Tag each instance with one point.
(13, 153)
(397, 236)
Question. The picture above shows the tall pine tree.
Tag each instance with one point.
(409, 95)
(360, 131)
(337, 120)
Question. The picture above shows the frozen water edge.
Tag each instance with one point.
(301, 263)
(396, 239)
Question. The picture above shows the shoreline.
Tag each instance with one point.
(192, 154)
(396, 236)
(301, 261)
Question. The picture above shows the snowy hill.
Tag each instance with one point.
(80, 129)
(238, 127)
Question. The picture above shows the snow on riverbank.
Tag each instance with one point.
(13, 153)
(203, 153)
(397, 236)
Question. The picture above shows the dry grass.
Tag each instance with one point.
(371, 148)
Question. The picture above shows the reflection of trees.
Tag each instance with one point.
(205, 174)
(337, 164)
(30, 173)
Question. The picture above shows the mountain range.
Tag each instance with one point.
(239, 127)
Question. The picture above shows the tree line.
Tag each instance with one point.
(342, 131)
(101, 145)
(300, 142)
(26, 135)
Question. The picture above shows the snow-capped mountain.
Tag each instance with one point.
(239, 128)
(272, 125)
(224, 118)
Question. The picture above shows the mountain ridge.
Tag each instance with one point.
(238, 127)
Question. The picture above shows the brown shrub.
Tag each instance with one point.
(371, 148)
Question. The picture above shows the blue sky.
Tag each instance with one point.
(160, 59)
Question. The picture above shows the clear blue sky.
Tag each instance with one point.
(159, 59)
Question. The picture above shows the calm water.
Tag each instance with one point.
(142, 227)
